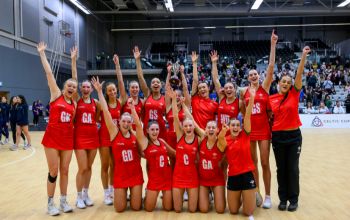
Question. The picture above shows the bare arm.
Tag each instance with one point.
(140, 136)
(185, 87)
(222, 143)
(195, 73)
(74, 55)
(167, 87)
(214, 73)
(55, 92)
(112, 129)
(269, 73)
(123, 95)
(142, 81)
(170, 150)
(298, 78)
(177, 125)
(247, 123)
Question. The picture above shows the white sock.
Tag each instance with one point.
(63, 198)
(50, 200)
(80, 195)
(106, 191)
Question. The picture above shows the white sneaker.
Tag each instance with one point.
(87, 200)
(108, 200)
(6, 141)
(211, 196)
(14, 147)
(27, 147)
(251, 217)
(80, 203)
(52, 210)
(1, 143)
(259, 199)
(185, 197)
(24, 143)
(64, 206)
(267, 203)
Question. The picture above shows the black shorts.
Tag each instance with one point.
(244, 181)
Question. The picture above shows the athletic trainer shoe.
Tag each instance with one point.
(64, 206)
(108, 200)
(27, 146)
(267, 203)
(259, 199)
(14, 147)
(52, 210)
(6, 141)
(87, 200)
(185, 197)
(1, 143)
(80, 203)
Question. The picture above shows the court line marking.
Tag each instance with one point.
(20, 160)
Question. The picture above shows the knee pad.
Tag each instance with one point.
(51, 179)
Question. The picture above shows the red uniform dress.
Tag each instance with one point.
(185, 171)
(155, 110)
(158, 167)
(138, 109)
(203, 110)
(259, 118)
(238, 154)
(127, 162)
(86, 131)
(210, 173)
(286, 115)
(59, 132)
(171, 135)
(105, 140)
(227, 111)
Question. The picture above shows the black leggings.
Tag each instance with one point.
(13, 129)
(287, 148)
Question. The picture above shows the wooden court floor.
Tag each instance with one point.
(325, 176)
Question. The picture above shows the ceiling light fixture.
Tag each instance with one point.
(343, 4)
(81, 6)
(256, 4)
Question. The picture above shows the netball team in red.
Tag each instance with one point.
(205, 149)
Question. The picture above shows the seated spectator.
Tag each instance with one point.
(338, 109)
(310, 109)
(323, 109)
(328, 101)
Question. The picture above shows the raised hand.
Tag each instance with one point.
(168, 68)
(306, 50)
(41, 47)
(214, 56)
(96, 83)
(274, 37)
(137, 53)
(182, 69)
(224, 128)
(130, 103)
(171, 93)
(74, 52)
(194, 57)
(116, 59)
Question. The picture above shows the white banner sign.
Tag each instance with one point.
(325, 120)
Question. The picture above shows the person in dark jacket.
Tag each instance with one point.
(22, 123)
(13, 119)
(347, 104)
(4, 120)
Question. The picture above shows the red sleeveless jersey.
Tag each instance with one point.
(210, 173)
(86, 131)
(154, 110)
(158, 167)
(259, 118)
(203, 110)
(185, 171)
(171, 135)
(59, 132)
(227, 111)
(238, 154)
(138, 108)
(127, 162)
(105, 140)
